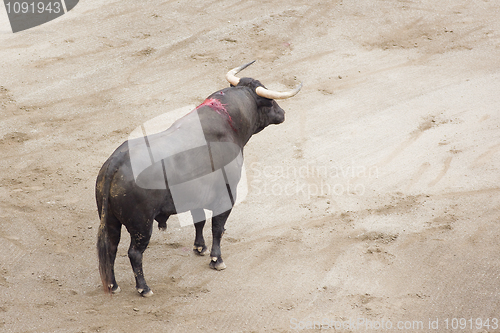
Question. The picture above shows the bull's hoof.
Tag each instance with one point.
(145, 292)
(115, 289)
(201, 250)
(217, 264)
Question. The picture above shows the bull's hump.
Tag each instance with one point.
(217, 106)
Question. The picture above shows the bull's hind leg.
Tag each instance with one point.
(114, 232)
(218, 223)
(199, 220)
(139, 240)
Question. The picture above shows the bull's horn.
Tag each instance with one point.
(266, 93)
(230, 76)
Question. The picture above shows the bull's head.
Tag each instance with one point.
(271, 112)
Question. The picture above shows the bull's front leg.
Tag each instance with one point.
(218, 223)
(199, 220)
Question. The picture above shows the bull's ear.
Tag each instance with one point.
(263, 102)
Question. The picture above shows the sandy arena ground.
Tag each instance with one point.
(376, 200)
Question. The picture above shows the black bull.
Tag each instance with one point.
(193, 165)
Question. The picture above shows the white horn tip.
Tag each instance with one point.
(230, 76)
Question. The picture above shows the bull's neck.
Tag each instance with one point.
(246, 116)
(238, 107)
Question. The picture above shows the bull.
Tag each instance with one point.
(193, 165)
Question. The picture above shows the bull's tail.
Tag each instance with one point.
(103, 242)
(104, 254)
